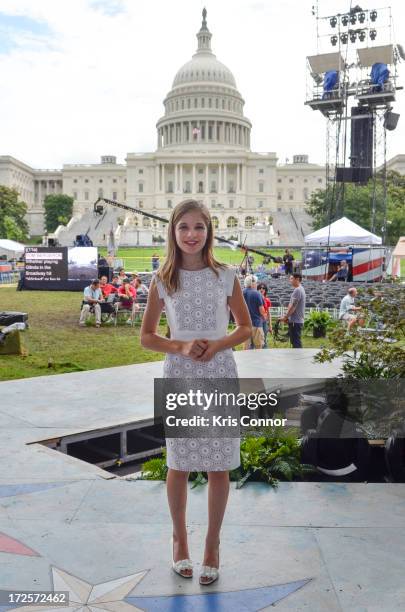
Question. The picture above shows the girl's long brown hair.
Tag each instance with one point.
(168, 273)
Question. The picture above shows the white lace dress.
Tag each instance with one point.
(199, 309)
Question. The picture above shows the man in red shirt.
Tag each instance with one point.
(127, 295)
(106, 287)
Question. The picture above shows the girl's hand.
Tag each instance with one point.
(194, 348)
(210, 351)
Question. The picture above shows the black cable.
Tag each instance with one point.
(98, 209)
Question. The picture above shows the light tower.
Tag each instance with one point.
(353, 83)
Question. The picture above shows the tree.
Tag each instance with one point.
(58, 209)
(363, 204)
(12, 212)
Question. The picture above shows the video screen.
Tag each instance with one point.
(82, 263)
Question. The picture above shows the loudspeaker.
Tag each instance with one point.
(391, 120)
(353, 175)
(361, 144)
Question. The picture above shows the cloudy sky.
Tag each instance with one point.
(85, 78)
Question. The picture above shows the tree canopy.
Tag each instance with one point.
(58, 210)
(363, 204)
(12, 212)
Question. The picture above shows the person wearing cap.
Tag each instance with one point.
(92, 298)
(255, 304)
(127, 295)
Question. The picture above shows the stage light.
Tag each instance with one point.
(362, 36)
(353, 36)
(362, 17)
(345, 20)
(373, 34)
(333, 40)
(344, 38)
(353, 19)
(317, 78)
(390, 120)
(333, 22)
(373, 15)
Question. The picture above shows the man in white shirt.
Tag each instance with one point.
(348, 309)
(92, 297)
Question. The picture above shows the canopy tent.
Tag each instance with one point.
(342, 232)
(394, 267)
(11, 248)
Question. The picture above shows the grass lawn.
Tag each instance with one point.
(56, 344)
(137, 259)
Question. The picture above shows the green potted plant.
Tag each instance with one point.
(318, 321)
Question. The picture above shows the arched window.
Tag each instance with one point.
(146, 222)
(200, 187)
(140, 187)
(261, 187)
(249, 222)
(231, 222)
(215, 222)
(100, 193)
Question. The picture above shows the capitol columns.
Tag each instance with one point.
(219, 178)
(157, 172)
(237, 177)
(181, 178)
(225, 180)
(206, 179)
(194, 190)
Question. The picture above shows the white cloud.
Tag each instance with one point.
(95, 85)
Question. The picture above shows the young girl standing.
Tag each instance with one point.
(197, 293)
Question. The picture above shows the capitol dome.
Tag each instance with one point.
(204, 105)
(204, 67)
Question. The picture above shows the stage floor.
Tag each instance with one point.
(68, 525)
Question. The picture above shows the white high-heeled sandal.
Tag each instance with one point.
(183, 564)
(208, 575)
(180, 566)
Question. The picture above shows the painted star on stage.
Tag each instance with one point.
(86, 597)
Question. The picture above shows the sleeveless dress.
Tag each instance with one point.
(199, 309)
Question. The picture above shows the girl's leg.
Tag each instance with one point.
(218, 491)
(177, 497)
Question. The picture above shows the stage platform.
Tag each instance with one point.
(68, 525)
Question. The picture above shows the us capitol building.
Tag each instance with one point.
(203, 152)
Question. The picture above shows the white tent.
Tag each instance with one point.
(11, 248)
(342, 232)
